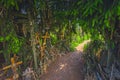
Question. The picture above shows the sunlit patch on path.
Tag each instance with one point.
(81, 46)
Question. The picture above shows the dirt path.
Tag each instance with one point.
(68, 67)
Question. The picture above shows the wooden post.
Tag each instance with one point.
(33, 43)
(42, 49)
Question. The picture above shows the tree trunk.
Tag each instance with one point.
(33, 41)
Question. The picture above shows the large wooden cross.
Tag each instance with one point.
(13, 65)
(45, 38)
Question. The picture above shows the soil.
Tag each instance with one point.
(68, 67)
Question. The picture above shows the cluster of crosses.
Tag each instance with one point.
(15, 64)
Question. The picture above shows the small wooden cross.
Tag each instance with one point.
(13, 65)
(42, 49)
(45, 38)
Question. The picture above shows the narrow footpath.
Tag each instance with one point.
(68, 67)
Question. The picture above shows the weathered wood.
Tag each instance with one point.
(13, 66)
(45, 38)
(33, 43)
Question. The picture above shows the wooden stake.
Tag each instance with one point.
(42, 49)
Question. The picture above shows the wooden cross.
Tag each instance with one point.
(45, 38)
(13, 65)
(42, 49)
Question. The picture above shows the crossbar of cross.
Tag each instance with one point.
(45, 38)
(9, 66)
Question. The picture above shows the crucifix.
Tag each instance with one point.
(13, 66)
(45, 38)
(44, 44)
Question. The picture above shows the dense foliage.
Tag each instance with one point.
(21, 21)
